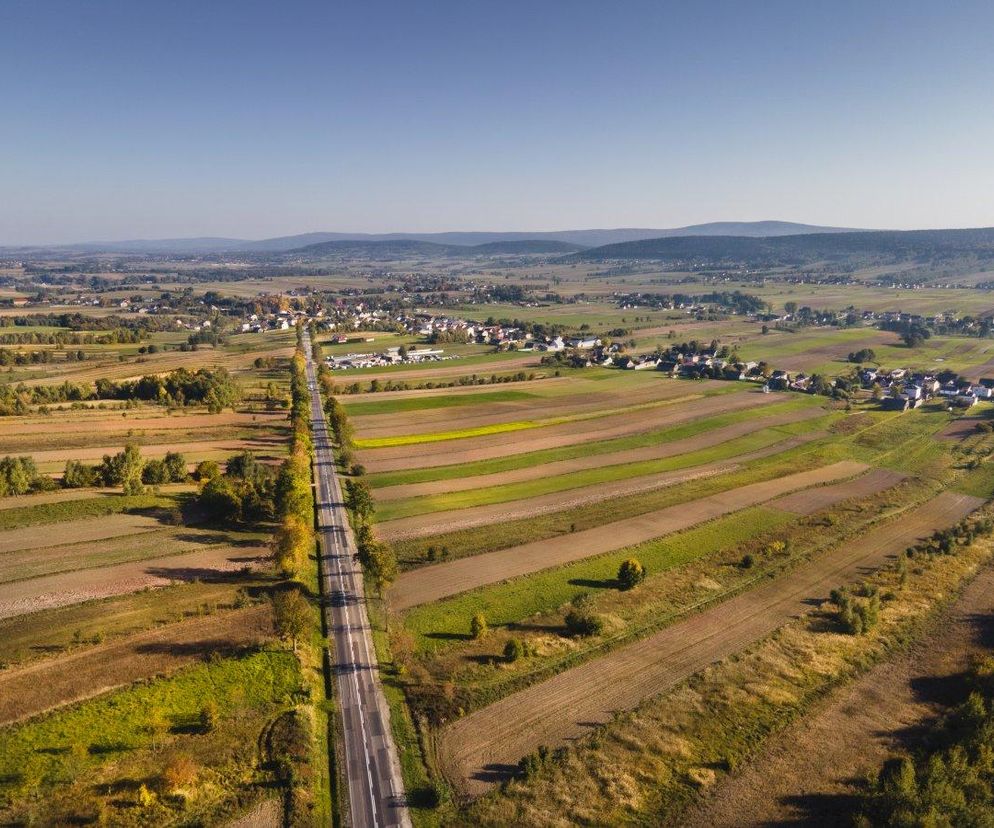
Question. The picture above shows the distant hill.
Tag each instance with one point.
(581, 238)
(377, 249)
(524, 247)
(874, 245)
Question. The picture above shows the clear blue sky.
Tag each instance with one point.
(145, 118)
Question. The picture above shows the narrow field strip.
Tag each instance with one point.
(813, 500)
(45, 498)
(451, 511)
(473, 450)
(81, 531)
(431, 583)
(72, 677)
(66, 588)
(51, 560)
(478, 749)
(706, 436)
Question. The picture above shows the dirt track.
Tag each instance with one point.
(470, 449)
(431, 583)
(482, 747)
(432, 523)
(86, 585)
(803, 775)
(40, 686)
(596, 461)
(811, 500)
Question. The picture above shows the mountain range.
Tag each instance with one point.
(580, 238)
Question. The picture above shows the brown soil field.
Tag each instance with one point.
(480, 748)
(960, 429)
(805, 774)
(531, 386)
(432, 523)
(976, 372)
(95, 422)
(79, 531)
(72, 677)
(657, 452)
(205, 564)
(811, 500)
(49, 560)
(445, 419)
(195, 448)
(471, 449)
(57, 373)
(431, 583)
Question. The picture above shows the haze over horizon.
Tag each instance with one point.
(247, 120)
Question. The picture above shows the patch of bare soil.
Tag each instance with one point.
(40, 686)
(805, 774)
(430, 583)
(811, 500)
(78, 531)
(481, 748)
(657, 452)
(471, 449)
(63, 589)
(960, 428)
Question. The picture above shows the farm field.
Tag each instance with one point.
(124, 616)
(807, 772)
(476, 749)
(556, 553)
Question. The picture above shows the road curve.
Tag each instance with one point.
(372, 772)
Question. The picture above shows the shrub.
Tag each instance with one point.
(478, 628)
(513, 650)
(631, 573)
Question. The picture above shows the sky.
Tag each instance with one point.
(123, 119)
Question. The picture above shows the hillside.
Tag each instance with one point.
(525, 247)
(886, 246)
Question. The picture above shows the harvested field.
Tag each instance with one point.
(812, 500)
(72, 677)
(836, 352)
(68, 588)
(535, 439)
(960, 428)
(50, 560)
(430, 523)
(157, 419)
(656, 452)
(196, 448)
(482, 747)
(804, 775)
(80, 531)
(433, 582)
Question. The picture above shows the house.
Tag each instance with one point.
(583, 343)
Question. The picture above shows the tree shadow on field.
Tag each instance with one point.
(204, 649)
(449, 636)
(189, 574)
(592, 583)
(496, 772)
(821, 809)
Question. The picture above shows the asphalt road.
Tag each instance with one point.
(375, 788)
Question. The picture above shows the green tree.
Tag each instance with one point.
(478, 628)
(631, 573)
(292, 616)
(175, 465)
